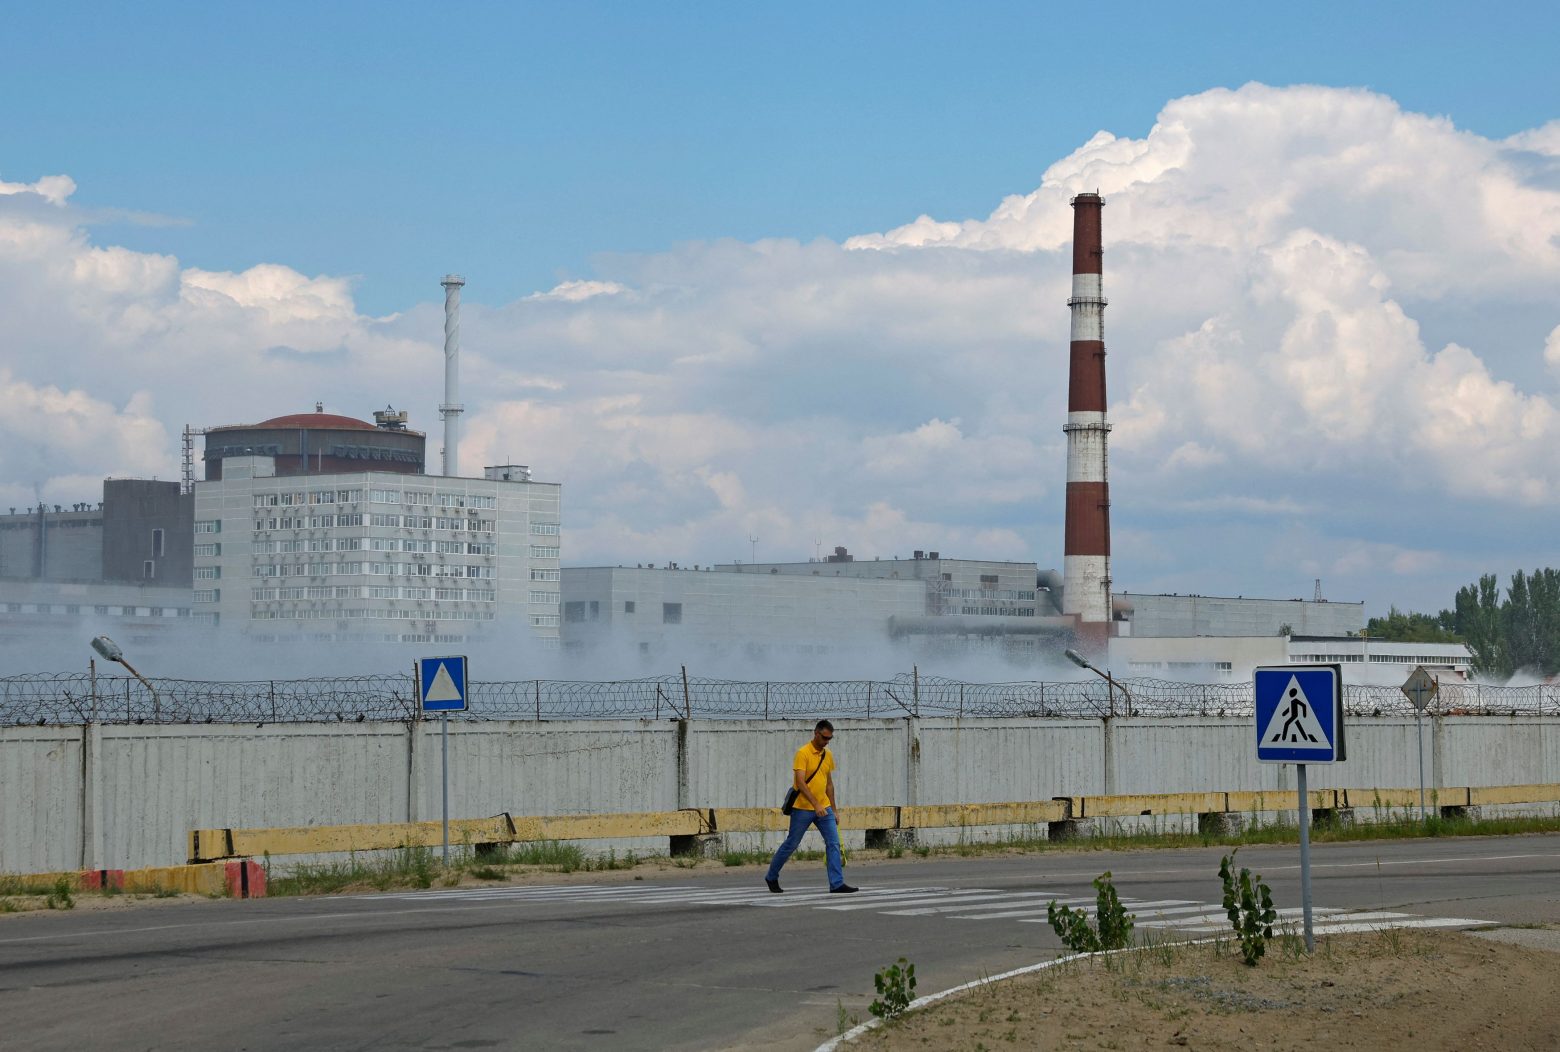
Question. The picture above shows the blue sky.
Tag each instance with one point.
(517, 142)
(800, 272)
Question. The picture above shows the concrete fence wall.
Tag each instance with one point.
(125, 796)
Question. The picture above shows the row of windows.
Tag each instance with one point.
(546, 575)
(1015, 594)
(544, 620)
(538, 596)
(102, 611)
(545, 529)
(309, 522)
(299, 498)
(207, 595)
(430, 522)
(386, 567)
(424, 497)
(1008, 611)
(295, 592)
(1396, 659)
(207, 573)
(208, 549)
(314, 614)
(208, 526)
(544, 551)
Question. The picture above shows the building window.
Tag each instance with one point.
(207, 595)
(546, 575)
(545, 529)
(208, 549)
(209, 526)
(544, 620)
(671, 613)
(595, 610)
(574, 613)
(148, 569)
(628, 606)
(988, 578)
(207, 573)
(543, 551)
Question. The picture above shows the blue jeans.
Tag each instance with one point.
(828, 827)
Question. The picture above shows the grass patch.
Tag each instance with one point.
(421, 867)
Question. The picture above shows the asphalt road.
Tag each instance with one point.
(671, 959)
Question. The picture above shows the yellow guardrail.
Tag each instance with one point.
(208, 845)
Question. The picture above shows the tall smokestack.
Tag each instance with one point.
(451, 409)
(1086, 552)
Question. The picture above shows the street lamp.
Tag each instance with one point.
(111, 652)
(1078, 659)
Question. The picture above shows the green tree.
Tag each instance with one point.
(1401, 627)
(1520, 632)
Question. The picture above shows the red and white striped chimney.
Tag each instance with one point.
(1086, 552)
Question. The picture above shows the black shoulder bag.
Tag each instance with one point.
(792, 793)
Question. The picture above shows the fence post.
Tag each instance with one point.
(915, 689)
(869, 699)
(766, 699)
(687, 704)
(538, 701)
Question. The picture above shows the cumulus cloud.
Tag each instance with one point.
(1321, 327)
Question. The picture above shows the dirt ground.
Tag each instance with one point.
(1399, 989)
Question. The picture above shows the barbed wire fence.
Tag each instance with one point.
(77, 698)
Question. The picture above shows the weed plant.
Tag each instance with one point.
(896, 989)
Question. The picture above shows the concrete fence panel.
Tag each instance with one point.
(527, 768)
(40, 799)
(1497, 750)
(992, 760)
(153, 784)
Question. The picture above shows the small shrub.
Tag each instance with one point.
(1249, 904)
(488, 873)
(1112, 927)
(896, 989)
(60, 897)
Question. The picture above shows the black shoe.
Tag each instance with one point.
(843, 889)
(774, 885)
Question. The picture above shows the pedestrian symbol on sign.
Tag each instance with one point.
(1294, 722)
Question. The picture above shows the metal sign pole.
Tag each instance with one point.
(1305, 861)
(444, 719)
(1419, 725)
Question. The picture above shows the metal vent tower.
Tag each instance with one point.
(1086, 551)
(451, 408)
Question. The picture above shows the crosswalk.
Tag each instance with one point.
(1019, 906)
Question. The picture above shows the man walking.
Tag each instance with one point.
(812, 775)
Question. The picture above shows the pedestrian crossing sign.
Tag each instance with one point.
(441, 684)
(1299, 713)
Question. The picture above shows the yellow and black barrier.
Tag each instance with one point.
(1063, 816)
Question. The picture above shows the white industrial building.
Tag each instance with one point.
(1212, 615)
(673, 612)
(1211, 658)
(375, 555)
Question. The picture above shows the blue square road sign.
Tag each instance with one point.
(441, 684)
(1299, 713)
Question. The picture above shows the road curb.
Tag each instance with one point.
(835, 1043)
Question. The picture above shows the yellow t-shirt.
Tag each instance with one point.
(805, 760)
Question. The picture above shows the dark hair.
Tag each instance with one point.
(823, 725)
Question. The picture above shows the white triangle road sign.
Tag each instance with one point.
(1294, 724)
(443, 687)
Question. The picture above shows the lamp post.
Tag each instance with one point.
(110, 651)
(1078, 659)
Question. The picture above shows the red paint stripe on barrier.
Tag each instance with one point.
(245, 880)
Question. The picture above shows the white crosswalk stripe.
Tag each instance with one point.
(1018, 905)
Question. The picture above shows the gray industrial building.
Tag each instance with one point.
(925, 602)
(123, 563)
(1205, 615)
